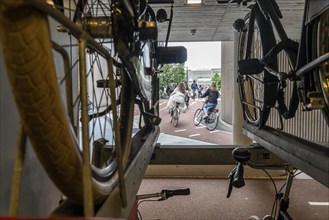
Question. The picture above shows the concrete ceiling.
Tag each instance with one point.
(213, 21)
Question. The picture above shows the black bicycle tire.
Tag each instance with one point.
(270, 90)
(213, 125)
(197, 112)
(31, 72)
(319, 72)
(175, 117)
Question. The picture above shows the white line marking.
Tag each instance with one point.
(193, 135)
(213, 131)
(319, 203)
(226, 132)
(162, 103)
(180, 130)
(202, 126)
(163, 108)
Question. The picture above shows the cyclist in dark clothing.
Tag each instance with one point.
(213, 95)
(194, 87)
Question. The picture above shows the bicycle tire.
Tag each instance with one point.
(197, 118)
(126, 96)
(175, 117)
(258, 92)
(320, 36)
(32, 75)
(213, 118)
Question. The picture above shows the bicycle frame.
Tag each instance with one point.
(236, 179)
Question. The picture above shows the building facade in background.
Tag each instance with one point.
(202, 77)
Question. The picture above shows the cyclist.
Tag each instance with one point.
(178, 96)
(212, 95)
(187, 97)
(194, 87)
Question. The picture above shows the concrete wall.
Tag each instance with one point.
(227, 81)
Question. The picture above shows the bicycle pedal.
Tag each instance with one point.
(316, 100)
(250, 66)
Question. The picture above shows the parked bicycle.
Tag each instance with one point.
(211, 120)
(281, 202)
(107, 49)
(262, 84)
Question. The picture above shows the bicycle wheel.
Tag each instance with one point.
(54, 131)
(212, 120)
(197, 118)
(257, 91)
(322, 75)
(175, 117)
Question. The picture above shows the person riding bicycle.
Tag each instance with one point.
(187, 97)
(194, 87)
(212, 95)
(177, 97)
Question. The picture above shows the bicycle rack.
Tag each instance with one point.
(307, 156)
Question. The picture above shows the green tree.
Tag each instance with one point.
(218, 79)
(172, 73)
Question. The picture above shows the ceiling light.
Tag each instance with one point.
(191, 2)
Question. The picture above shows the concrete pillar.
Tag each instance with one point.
(238, 137)
(227, 80)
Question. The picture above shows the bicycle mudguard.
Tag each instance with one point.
(314, 8)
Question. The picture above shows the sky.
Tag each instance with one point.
(201, 55)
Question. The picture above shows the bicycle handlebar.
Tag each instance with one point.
(175, 192)
(165, 194)
(242, 157)
(235, 178)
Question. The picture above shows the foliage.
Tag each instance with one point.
(172, 73)
(218, 79)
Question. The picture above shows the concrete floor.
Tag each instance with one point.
(309, 200)
(208, 199)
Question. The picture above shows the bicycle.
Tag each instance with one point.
(187, 99)
(262, 85)
(174, 113)
(107, 50)
(160, 196)
(211, 120)
(242, 157)
(194, 94)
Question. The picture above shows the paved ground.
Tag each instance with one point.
(188, 131)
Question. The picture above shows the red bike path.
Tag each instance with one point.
(186, 132)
